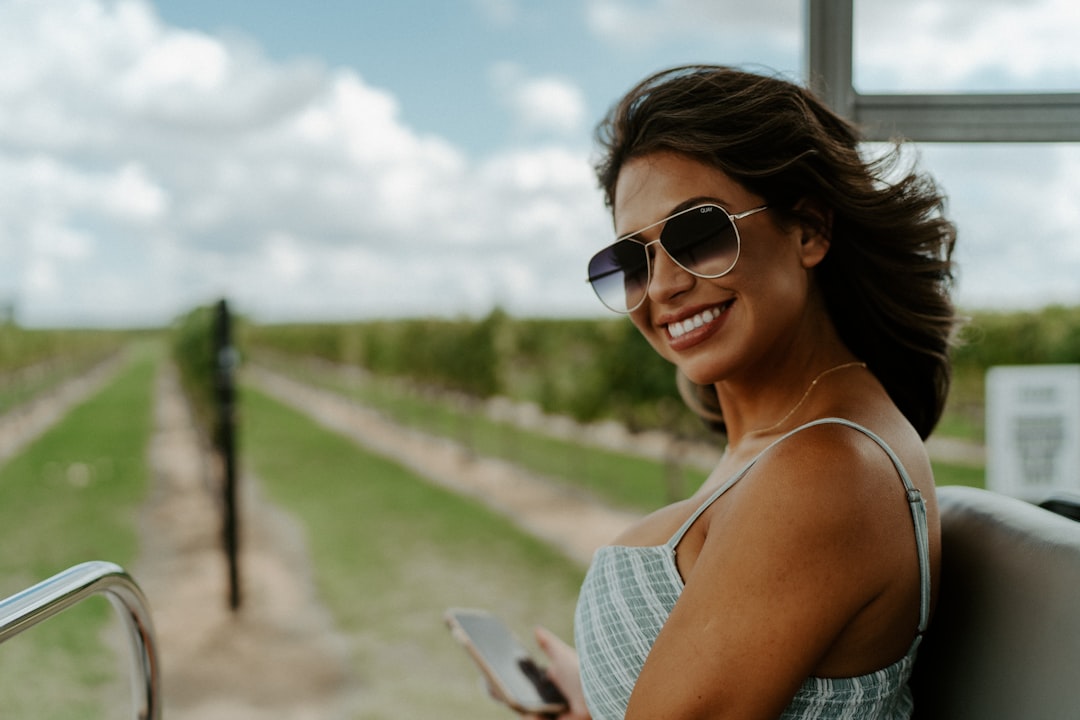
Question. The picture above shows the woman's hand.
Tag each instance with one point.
(563, 671)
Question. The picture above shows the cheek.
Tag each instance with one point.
(654, 335)
(772, 270)
(640, 319)
(775, 301)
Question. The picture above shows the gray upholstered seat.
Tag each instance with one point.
(1004, 643)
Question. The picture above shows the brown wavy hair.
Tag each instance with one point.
(887, 278)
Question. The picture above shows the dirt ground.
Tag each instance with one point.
(280, 657)
(567, 520)
(21, 425)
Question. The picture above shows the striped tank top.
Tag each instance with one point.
(629, 592)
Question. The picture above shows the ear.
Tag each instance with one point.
(815, 225)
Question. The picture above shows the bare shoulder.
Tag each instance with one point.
(835, 463)
(809, 556)
(833, 488)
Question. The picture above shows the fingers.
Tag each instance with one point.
(563, 672)
(549, 642)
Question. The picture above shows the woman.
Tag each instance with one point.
(802, 292)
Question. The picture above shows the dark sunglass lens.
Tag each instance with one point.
(702, 240)
(619, 274)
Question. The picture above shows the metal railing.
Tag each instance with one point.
(70, 587)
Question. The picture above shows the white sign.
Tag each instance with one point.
(1033, 430)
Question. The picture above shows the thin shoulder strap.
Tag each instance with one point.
(677, 537)
(914, 498)
(918, 517)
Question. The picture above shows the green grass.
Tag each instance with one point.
(22, 386)
(390, 552)
(964, 415)
(952, 474)
(69, 497)
(619, 479)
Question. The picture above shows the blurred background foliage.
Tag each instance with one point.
(603, 369)
(588, 369)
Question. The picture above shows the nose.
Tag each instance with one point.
(669, 279)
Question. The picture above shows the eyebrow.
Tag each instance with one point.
(684, 205)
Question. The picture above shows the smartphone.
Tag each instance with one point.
(512, 674)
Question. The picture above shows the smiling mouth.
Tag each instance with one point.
(678, 329)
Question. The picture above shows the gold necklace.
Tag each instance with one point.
(806, 394)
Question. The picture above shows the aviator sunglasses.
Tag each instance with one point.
(702, 240)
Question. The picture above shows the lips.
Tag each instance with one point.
(680, 328)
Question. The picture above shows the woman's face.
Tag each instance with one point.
(714, 328)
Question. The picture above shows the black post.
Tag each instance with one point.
(226, 362)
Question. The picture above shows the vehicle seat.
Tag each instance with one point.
(1004, 642)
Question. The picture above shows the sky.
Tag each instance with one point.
(349, 160)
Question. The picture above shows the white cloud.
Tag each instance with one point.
(288, 263)
(144, 169)
(630, 24)
(183, 62)
(52, 243)
(540, 104)
(131, 194)
(1004, 45)
(1018, 229)
(147, 169)
(51, 188)
(501, 13)
(41, 277)
(551, 103)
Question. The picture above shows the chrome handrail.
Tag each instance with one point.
(70, 587)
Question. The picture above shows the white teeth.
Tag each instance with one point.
(678, 329)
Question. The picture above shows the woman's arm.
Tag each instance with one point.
(793, 553)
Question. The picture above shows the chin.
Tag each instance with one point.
(699, 376)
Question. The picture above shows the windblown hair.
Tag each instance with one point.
(887, 278)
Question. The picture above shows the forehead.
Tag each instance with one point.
(652, 186)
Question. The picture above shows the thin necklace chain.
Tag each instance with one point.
(806, 394)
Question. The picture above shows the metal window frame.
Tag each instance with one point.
(942, 117)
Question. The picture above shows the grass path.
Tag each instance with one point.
(381, 551)
(566, 517)
(390, 552)
(349, 561)
(24, 423)
(278, 658)
(67, 496)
